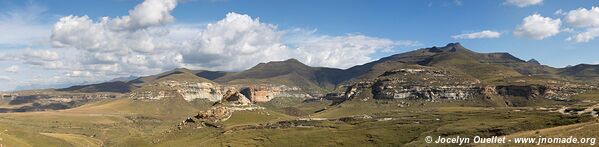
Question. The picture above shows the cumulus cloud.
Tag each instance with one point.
(478, 35)
(149, 13)
(139, 42)
(239, 41)
(583, 17)
(340, 51)
(78, 73)
(587, 19)
(146, 41)
(236, 42)
(523, 3)
(12, 69)
(585, 36)
(538, 27)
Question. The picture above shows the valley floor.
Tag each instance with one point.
(121, 122)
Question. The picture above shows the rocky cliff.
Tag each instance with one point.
(437, 84)
(188, 90)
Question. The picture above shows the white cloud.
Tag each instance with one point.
(585, 36)
(559, 12)
(523, 3)
(12, 69)
(538, 27)
(77, 73)
(147, 42)
(147, 14)
(567, 30)
(45, 58)
(238, 42)
(583, 17)
(340, 51)
(44, 55)
(22, 26)
(139, 43)
(5, 78)
(478, 35)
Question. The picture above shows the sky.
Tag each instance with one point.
(57, 43)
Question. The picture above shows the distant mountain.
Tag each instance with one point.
(289, 72)
(584, 72)
(129, 85)
(454, 58)
(211, 75)
(124, 79)
(117, 86)
(533, 61)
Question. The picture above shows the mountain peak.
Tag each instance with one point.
(533, 61)
(455, 44)
(292, 60)
(279, 65)
(451, 47)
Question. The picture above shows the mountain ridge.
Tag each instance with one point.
(488, 67)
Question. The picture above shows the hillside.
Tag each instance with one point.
(289, 72)
(129, 85)
(487, 67)
(583, 72)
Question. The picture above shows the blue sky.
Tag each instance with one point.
(331, 33)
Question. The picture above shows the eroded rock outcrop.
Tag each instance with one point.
(233, 96)
(215, 114)
(261, 93)
(457, 92)
(215, 92)
(188, 90)
(434, 84)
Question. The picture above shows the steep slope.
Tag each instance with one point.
(289, 72)
(484, 66)
(178, 83)
(128, 84)
(211, 75)
(584, 72)
(116, 86)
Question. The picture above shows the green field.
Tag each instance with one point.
(124, 122)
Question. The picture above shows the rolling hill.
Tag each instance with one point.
(289, 72)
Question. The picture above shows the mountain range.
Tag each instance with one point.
(489, 68)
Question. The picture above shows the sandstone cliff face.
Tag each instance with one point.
(416, 83)
(188, 90)
(233, 96)
(387, 90)
(555, 92)
(191, 91)
(383, 90)
(456, 92)
(265, 92)
(215, 92)
(432, 84)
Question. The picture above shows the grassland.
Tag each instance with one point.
(124, 122)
